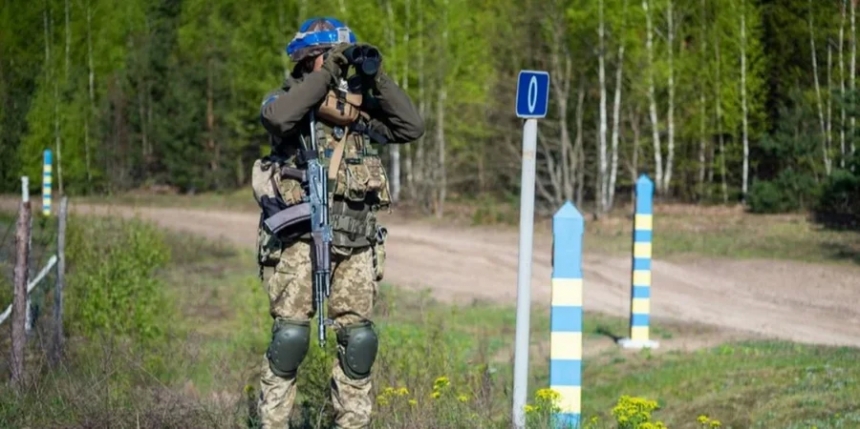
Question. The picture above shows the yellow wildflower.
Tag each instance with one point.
(402, 391)
(530, 409)
(441, 382)
(463, 398)
(436, 394)
(413, 402)
(547, 395)
(703, 419)
(715, 423)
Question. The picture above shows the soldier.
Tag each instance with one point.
(349, 115)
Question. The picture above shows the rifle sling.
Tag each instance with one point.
(337, 155)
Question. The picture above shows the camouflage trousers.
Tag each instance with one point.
(353, 293)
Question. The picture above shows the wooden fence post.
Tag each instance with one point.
(19, 300)
(57, 350)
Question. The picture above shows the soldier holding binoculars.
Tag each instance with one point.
(339, 118)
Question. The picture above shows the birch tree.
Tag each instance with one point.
(670, 116)
(743, 61)
(652, 98)
(825, 149)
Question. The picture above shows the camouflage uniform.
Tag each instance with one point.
(392, 117)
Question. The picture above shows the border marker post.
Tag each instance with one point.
(532, 102)
(640, 289)
(566, 315)
(47, 182)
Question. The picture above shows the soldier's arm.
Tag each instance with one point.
(281, 111)
(393, 114)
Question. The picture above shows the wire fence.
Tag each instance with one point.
(29, 275)
(43, 246)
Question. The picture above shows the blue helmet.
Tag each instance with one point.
(315, 35)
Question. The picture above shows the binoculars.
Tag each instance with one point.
(366, 59)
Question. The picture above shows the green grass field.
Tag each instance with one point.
(743, 384)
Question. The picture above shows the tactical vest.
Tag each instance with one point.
(358, 184)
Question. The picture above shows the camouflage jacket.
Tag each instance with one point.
(362, 185)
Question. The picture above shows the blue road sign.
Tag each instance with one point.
(532, 94)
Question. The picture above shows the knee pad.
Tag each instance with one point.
(357, 349)
(290, 341)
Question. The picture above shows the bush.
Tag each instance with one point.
(839, 205)
(112, 290)
(787, 192)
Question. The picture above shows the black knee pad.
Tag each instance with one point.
(290, 341)
(357, 349)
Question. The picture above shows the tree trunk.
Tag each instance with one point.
(579, 155)
(408, 164)
(91, 82)
(819, 102)
(68, 40)
(440, 145)
(829, 121)
(210, 119)
(561, 70)
(746, 161)
(842, 149)
(634, 162)
(421, 172)
(703, 105)
(441, 101)
(616, 125)
(670, 117)
(719, 112)
(19, 303)
(394, 149)
(652, 98)
(853, 75)
(602, 177)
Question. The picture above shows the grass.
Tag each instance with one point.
(198, 374)
(725, 233)
(744, 385)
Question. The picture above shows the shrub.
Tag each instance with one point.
(789, 191)
(839, 205)
(112, 290)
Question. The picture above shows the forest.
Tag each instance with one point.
(718, 101)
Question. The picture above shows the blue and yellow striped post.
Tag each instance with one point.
(565, 366)
(46, 182)
(640, 303)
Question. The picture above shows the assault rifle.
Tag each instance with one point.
(315, 209)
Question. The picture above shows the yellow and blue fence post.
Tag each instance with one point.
(640, 303)
(47, 181)
(565, 366)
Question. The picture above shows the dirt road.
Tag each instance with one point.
(788, 300)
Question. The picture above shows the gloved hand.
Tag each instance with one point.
(335, 61)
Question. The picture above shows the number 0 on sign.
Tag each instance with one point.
(532, 94)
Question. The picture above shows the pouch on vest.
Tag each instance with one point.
(340, 107)
(269, 247)
(379, 252)
(273, 193)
